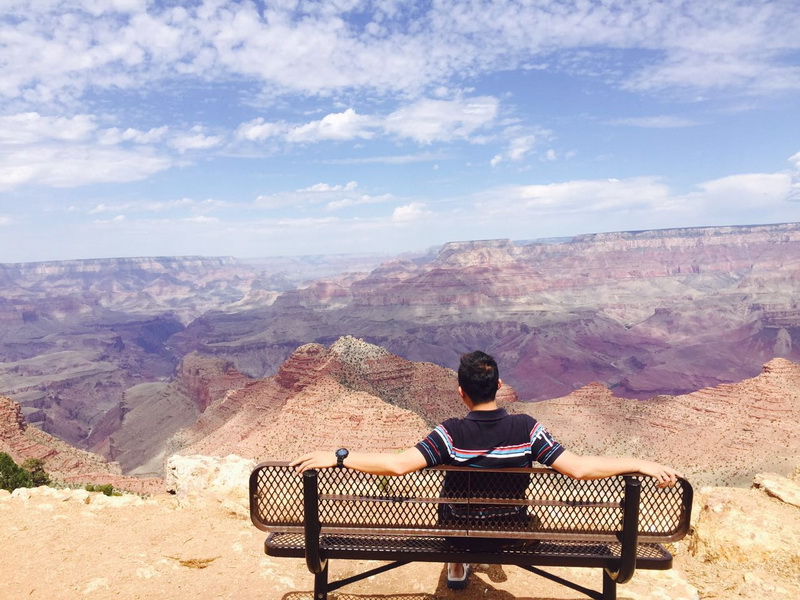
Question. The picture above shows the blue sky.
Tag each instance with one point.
(136, 128)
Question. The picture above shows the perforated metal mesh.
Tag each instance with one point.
(468, 502)
(290, 544)
(276, 497)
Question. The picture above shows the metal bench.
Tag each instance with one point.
(617, 524)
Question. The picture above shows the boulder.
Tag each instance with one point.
(199, 478)
(782, 488)
(750, 538)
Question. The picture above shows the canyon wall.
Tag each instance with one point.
(93, 349)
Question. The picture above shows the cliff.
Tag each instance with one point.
(722, 435)
(648, 313)
(64, 463)
(62, 544)
(351, 394)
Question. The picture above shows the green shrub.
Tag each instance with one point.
(35, 466)
(106, 488)
(12, 476)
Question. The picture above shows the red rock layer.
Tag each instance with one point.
(352, 394)
(722, 435)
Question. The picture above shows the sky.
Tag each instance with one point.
(292, 127)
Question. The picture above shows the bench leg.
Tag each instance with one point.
(321, 584)
(609, 587)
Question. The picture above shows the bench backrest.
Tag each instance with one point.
(561, 507)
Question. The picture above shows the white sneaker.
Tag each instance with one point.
(457, 583)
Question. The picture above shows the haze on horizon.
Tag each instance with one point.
(142, 128)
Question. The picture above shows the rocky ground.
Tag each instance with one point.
(199, 543)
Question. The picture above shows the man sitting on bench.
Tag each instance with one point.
(487, 437)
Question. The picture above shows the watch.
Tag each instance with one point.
(341, 454)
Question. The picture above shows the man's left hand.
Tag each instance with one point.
(321, 459)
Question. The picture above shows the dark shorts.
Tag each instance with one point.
(519, 521)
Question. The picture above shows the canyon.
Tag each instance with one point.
(120, 356)
(65, 542)
(357, 395)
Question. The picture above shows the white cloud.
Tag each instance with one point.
(321, 48)
(657, 122)
(748, 192)
(361, 200)
(410, 212)
(76, 165)
(427, 121)
(196, 139)
(398, 159)
(614, 204)
(259, 130)
(794, 192)
(5, 220)
(519, 146)
(143, 206)
(574, 196)
(326, 187)
(31, 128)
(347, 125)
(330, 197)
(115, 135)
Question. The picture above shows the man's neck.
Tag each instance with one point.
(485, 406)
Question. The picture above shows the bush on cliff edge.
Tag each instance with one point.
(30, 474)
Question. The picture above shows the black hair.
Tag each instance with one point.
(478, 376)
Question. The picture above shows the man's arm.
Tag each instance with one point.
(597, 467)
(367, 462)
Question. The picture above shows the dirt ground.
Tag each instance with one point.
(59, 545)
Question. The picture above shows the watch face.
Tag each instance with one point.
(341, 454)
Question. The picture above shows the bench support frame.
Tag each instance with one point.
(318, 565)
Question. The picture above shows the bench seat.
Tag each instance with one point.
(439, 549)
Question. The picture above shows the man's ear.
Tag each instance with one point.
(499, 383)
(461, 392)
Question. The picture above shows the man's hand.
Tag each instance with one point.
(321, 459)
(597, 467)
(666, 476)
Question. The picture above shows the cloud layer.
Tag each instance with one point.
(398, 124)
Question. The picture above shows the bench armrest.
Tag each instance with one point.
(629, 537)
(315, 563)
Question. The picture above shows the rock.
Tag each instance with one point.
(745, 527)
(779, 487)
(21, 494)
(60, 459)
(193, 478)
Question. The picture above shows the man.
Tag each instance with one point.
(487, 437)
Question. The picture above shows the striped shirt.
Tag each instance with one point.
(488, 439)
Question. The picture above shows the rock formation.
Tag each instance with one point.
(722, 435)
(64, 463)
(81, 340)
(352, 394)
(752, 538)
(647, 313)
(92, 350)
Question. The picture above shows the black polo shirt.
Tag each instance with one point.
(490, 439)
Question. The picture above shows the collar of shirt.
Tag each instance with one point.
(487, 415)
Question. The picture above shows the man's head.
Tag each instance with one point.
(478, 377)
